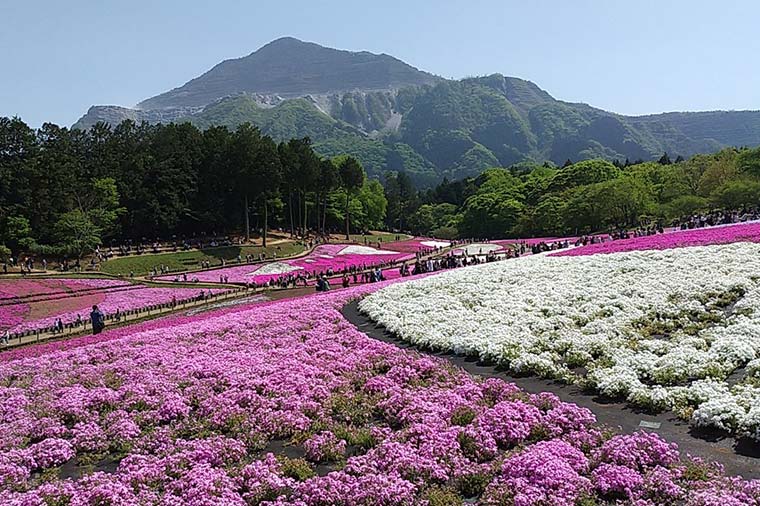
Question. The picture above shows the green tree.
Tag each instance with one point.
(733, 194)
(489, 215)
(721, 167)
(170, 178)
(374, 204)
(402, 199)
(548, 217)
(685, 205)
(329, 180)
(749, 161)
(430, 217)
(664, 159)
(351, 180)
(76, 233)
(581, 174)
(101, 203)
(268, 177)
(15, 233)
(258, 171)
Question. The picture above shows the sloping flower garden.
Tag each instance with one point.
(677, 329)
(42, 311)
(286, 403)
(327, 257)
(724, 234)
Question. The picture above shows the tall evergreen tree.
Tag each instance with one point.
(351, 180)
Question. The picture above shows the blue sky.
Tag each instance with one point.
(58, 58)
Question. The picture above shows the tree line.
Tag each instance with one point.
(66, 191)
(542, 200)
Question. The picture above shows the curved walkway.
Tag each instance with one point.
(739, 457)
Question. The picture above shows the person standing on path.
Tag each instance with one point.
(98, 320)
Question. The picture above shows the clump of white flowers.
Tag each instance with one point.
(673, 329)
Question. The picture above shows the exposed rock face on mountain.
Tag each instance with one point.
(394, 116)
(114, 114)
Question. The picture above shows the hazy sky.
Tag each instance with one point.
(634, 57)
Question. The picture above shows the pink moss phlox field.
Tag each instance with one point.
(414, 245)
(197, 411)
(26, 287)
(12, 315)
(323, 258)
(108, 302)
(743, 232)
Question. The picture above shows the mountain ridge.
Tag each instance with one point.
(290, 67)
(397, 117)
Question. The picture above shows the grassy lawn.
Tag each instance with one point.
(190, 260)
(376, 236)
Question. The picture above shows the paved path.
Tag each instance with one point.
(740, 457)
(127, 319)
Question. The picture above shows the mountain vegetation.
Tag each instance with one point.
(394, 117)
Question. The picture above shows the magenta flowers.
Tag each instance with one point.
(743, 232)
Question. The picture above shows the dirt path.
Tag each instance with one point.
(739, 457)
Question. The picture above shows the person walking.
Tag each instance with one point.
(98, 320)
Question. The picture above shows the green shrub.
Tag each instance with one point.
(463, 416)
(298, 469)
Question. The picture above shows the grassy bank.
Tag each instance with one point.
(376, 236)
(191, 260)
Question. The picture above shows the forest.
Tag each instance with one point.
(66, 191)
(542, 200)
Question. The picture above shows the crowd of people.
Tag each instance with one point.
(141, 247)
(719, 217)
(692, 221)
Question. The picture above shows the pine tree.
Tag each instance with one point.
(664, 159)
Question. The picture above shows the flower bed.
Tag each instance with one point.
(255, 406)
(416, 244)
(744, 232)
(26, 287)
(44, 314)
(675, 329)
(478, 249)
(12, 315)
(334, 257)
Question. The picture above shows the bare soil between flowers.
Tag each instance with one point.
(738, 456)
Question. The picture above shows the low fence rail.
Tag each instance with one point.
(51, 331)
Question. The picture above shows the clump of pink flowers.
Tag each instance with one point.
(324, 446)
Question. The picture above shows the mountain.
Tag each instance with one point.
(289, 67)
(394, 116)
